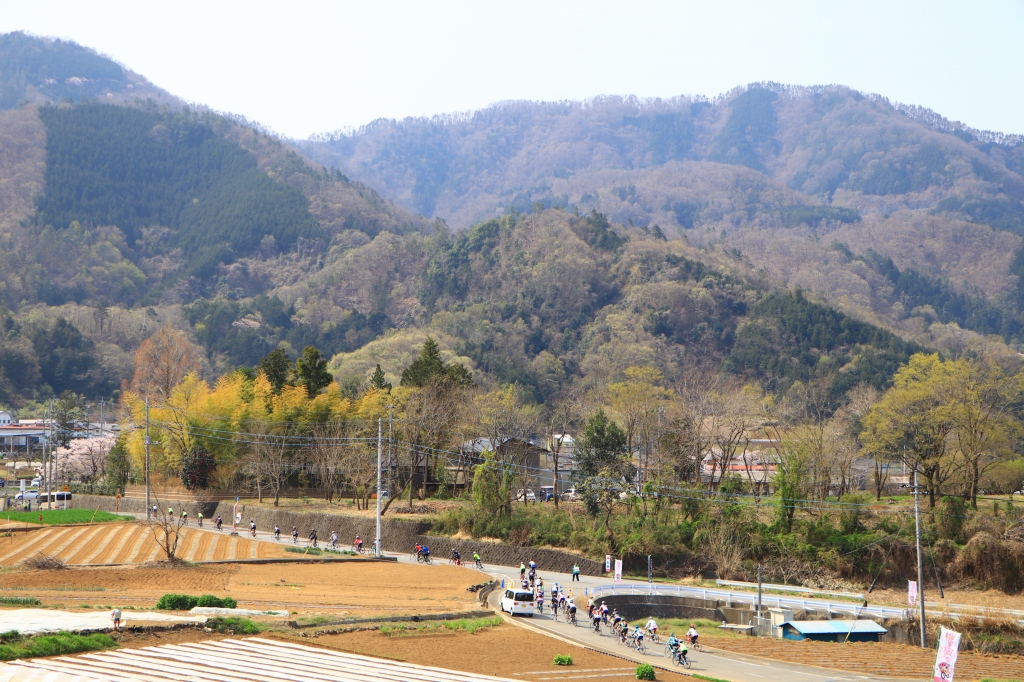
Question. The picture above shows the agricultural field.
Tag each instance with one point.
(312, 591)
(127, 543)
(885, 659)
(531, 655)
(60, 517)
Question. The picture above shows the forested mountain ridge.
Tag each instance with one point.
(790, 178)
(112, 203)
(119, 219)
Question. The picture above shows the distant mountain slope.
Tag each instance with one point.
(774, 174)
(39, 70)
(830, 144)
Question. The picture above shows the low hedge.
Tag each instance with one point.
(186, 602)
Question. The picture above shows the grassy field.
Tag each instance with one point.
(58, 517)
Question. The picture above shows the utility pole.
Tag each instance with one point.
(380, 454)
(48, 466)
(920, 562)
(149, 510)
(759, 590)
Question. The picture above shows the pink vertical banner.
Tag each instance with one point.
(607, 563)
(618, 570)
(912, 592)
(945, 656)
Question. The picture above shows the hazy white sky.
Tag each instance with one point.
(306, 67)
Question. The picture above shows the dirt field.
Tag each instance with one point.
(354, 588)
(127, 543)
(478, 653)
(893, 660)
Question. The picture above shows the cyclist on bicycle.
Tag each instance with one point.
(456, 557)
(220, 522)
(623, 631)
(295, 534)
(595, 617)
(616, 618)
(571, 609)
(638, 635)
(358, 544)
(199, 517)
(477, 562)
(334, 539)
(652, 627)
(312, 537)
(691, 635)
(425, 553)
(277, 532)
(184, 517)
(252, 527)
(677, 647)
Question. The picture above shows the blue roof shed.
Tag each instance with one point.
(833, 630)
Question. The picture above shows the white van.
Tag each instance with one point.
(517, 601)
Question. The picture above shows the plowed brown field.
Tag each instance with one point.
(353, 588)
(505, 651)
(886, 659)
(128, 543)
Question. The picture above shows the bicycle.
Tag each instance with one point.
(597, 626)
(638, 644)
(277, 534)
(652, 635)
(572, 618)
(694, 645)
(423, 558)
(477, 564)
(679, 657)
(358, 548)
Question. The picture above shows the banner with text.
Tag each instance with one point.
(618, 570)
(912, 592)
(607, 563)
(945, 657)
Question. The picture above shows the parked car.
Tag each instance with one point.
(547, 493)
(27, 495)
(526, 495)
(571, 494)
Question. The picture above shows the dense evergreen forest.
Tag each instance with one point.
(123, 166)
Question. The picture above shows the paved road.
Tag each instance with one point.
(713, 663)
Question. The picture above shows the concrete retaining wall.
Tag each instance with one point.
(642, 606)
(398, 535)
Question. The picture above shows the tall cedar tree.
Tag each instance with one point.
(429, 368)
(311, 371)
(378, 381)
(196, 468)
(276, 367)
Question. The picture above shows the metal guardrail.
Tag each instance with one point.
(730, 598)
(787, 588)
(745, 598)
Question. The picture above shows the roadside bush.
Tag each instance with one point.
(186, 602)
(645, 671)
(563, 659)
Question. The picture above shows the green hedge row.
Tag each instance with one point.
(186, 602)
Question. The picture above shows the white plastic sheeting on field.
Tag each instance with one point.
(230, 660)
(33, 621)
